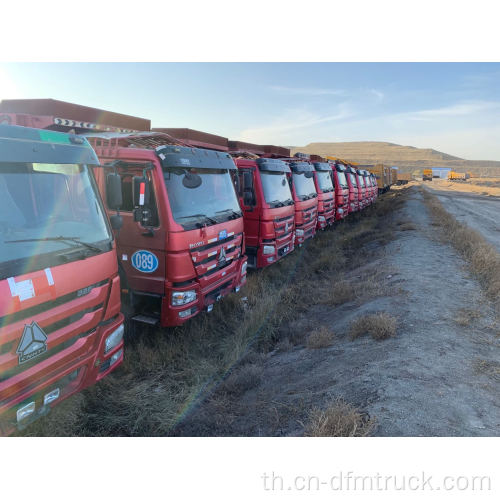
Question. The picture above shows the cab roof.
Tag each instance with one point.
(182, 156)
(30, 145)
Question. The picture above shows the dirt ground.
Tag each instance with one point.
(431, 379)
(484, 186)
(480, 212)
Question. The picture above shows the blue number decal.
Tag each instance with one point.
(223, 234)
(144, 261)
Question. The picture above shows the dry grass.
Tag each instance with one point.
(340, 419)
(243, 379)
(482, 257)
(320, 337)
(406, 226)
(168, 372)
(466, 316)
(379, 325)
(485, 367)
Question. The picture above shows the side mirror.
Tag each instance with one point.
(114, 191)
(141, 191)
(116, 222)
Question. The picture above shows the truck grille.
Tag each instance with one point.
(63, 321)
(207, 260)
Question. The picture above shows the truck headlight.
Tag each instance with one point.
(181, 298)
(113, 339)
(268, 250)
(244, 268)
(321, 218)
(299, 232)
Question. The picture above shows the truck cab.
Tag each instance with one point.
(362, 194)
(181, 248)
(61, 329)
(305, 199)
(341, 191)
(268, 208)
(326, 195)
(352, 182)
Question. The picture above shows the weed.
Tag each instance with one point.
(340, 419)
(379, 325)
(320, 337)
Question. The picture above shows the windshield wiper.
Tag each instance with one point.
(206, 217)
(277, 203)
(233, 212)
(64, 239)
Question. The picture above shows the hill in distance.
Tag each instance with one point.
(407, 158)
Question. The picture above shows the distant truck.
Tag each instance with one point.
(427, 174)
(457, 176)
(403, 178)
(383, 175)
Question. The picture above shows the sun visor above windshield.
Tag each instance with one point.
(29, 145)
(301, 166)
(322, 166)
(272, 165)
(181, 156)
(340, 168)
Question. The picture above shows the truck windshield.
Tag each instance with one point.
(201, 196)
(342, 179)
(276, 188)
(353, 180)
(324, 181)
(304, 186)
(47, 212)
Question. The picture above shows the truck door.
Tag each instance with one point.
(141, 243)
(248, 201)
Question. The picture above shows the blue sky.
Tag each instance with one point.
(452, 107)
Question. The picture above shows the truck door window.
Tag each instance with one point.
(246, 186)
(126, 175)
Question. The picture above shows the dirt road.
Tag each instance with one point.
(429, 380)
(479, 212)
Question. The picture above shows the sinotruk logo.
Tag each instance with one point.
(33, 343)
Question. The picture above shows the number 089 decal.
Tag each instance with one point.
(144, 261)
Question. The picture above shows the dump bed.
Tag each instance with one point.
(67, 115)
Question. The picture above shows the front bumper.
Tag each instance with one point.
(205, 298)
(76, 367)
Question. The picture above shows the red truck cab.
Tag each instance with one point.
(326, 195)
(268, 208)
(305, 199)
(61, 329)
(369, 187)
(363, 202)
(352, 182)
(341, 191)
(181, 248)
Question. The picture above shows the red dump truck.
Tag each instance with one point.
(181, 247)
(305, 198)
(341, 191)
(267, 204)
(61, 329)
(326, 191)
(352, 182)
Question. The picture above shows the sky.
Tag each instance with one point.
(451, 107)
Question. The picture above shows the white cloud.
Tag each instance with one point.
(464, 108)
(378, 94)
(310, 91)
(289, 127)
